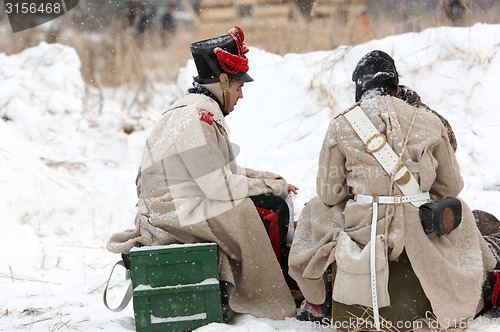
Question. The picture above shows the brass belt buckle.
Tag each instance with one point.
(396, 200)
(378, 148)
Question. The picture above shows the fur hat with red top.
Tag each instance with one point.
(221, 55)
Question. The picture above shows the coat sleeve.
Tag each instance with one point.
(275, 181)
(206, 164)
(252, 173)
(449, 181)
(331, 185)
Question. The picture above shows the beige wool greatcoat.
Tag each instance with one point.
(333, 227)
(191, 190)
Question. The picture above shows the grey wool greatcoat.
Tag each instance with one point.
(333, 227)
(191, 190)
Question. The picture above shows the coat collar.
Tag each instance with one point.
(201, 101)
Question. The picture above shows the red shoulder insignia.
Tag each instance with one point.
(347, 110)
(206, 116)
(341, 114)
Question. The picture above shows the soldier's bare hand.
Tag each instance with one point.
(293, 189)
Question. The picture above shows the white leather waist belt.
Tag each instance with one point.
(396, 199)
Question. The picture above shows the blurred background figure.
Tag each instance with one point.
(361, 29)
(133, 10)
(146, 20)
(455, 10)
(168, 23)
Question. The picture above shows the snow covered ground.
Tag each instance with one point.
(67, 167)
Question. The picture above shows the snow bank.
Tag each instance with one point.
(60, 176)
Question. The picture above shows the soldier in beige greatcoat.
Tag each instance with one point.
(336, 227)
(191, 189)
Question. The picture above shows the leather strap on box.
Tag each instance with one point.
(128, 293)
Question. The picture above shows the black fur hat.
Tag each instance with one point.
(224, 54)
(375, 70)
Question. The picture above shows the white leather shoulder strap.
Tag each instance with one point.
(376, 144)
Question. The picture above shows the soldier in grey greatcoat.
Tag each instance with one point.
(192, 190)
(335, 227)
